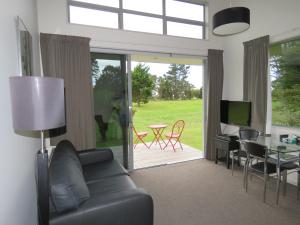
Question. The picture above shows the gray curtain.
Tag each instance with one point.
(215, 88)
(256, 79)
(68, 57)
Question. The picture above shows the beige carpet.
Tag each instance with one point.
(202, 193)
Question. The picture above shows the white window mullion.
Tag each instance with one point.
(164, 17)
(121, 19)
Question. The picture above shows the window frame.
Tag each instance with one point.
(120, 11)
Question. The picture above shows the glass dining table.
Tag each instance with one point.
(281, 153)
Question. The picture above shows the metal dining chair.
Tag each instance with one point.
(262, 166)
(244, 134)
(292, 167)
(175, 135)
(288, 165)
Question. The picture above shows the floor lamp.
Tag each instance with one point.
(38, 105)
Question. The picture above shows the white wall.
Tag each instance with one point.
(277, 18)
(17, 160)
(53, 18)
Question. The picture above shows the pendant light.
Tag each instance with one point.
(231, 20)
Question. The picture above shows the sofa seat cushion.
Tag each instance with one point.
(127, 207)
(97, 171)
(110, 185)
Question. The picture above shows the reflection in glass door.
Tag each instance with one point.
(111, 103)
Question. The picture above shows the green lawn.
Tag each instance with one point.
(167, 112)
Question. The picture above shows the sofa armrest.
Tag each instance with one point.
(92, 156)
(130, 207)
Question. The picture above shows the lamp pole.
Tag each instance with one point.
(43, 141)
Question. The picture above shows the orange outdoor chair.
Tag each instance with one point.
(139, 137)
(175, 134)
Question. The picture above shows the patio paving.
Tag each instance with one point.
(154, 156)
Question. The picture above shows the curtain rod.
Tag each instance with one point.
(130, 51)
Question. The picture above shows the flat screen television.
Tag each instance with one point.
(236, 113)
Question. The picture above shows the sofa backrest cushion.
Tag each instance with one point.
(67, 148)
(68, 189)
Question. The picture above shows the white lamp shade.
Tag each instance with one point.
(231, 28)
(37, 102)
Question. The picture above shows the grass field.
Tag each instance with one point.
(167, 112)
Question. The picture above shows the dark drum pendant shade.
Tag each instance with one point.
(231, 21)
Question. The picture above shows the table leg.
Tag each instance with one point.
(278, 178)
(216, 160)
(227, 158)
(157, 136)
(161, 138)
(239, 157)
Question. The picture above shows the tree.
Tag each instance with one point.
(285, 69)
(143, 83)
(164, 88)
(108, 93)
(177, 74)
(197, 93)
(186, 90)
(95, 70)
(173, 85)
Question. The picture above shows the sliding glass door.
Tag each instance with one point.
(111, 104)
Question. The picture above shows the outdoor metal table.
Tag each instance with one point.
(283, 153)
(157, 131)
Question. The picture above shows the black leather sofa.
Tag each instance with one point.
(91, 188)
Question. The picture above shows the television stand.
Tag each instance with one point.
(225, 143)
